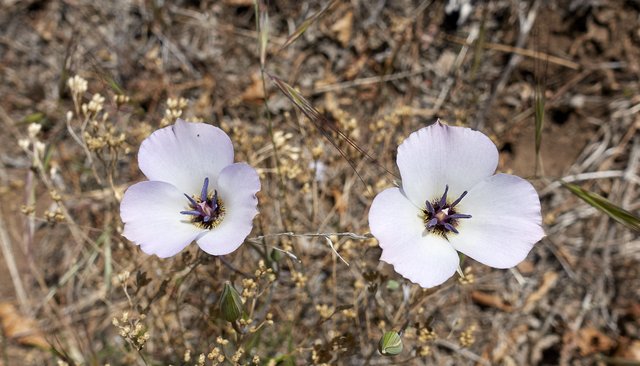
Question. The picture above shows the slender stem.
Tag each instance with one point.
(276, 160)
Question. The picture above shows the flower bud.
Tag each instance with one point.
(390, 344)
(231, 307)
(276, 255)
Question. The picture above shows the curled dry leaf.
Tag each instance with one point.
(590, 340)
(548, 281)
(526, 267)
(491, 300)
(21, 329)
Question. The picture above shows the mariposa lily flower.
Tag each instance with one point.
(194, 193)
(451, 201)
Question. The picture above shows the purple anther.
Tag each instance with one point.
(191, 212)
(458, 216)
(205, 190)
(433, 222)
(443, 200)
(449, 227)
(191, 200)
(214, 200)
(204, 209)
(441, 216)
(459, 199)
(430, 208)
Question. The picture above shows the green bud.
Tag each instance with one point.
(231, 307)
(392, 285)
(276, 255)
(390, 344)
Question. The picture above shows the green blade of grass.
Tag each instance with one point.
(306, 24)
(614, 211)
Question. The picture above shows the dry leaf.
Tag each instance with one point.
(548, 281)
(343, 27)
(255, 92)
(340, 203)
(526, 267)
(590, 340)
(20, 329)
(354, 69)
(491, 300)
(629, 350)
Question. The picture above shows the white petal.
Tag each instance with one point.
(505, 222)
(185, 154)
(426, 259)
(440, 155)
(237, 187)
(152, 219)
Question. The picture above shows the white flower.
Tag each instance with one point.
(77, 84)
(33, 130)
(450, 201)
(24, 143)
(195, 193)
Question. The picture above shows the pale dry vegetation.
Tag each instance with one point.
(75, 291)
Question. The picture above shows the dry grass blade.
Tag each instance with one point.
(614, 211)
(539, 118)
(540, 71)
(327, 128)
(105, 75)
(262, 18)
(306, 24)
(521, 51)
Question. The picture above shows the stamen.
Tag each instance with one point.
(191, 212)
(459, 199)
(214, 201)
(450, 227)
(458, 216)
(205, 189)
(430, 208)
(433, 222)
(191, 200)
(443, 200)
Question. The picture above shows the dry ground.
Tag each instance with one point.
(379, 70)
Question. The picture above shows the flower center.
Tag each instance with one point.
(206, 211)
(441, 217)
